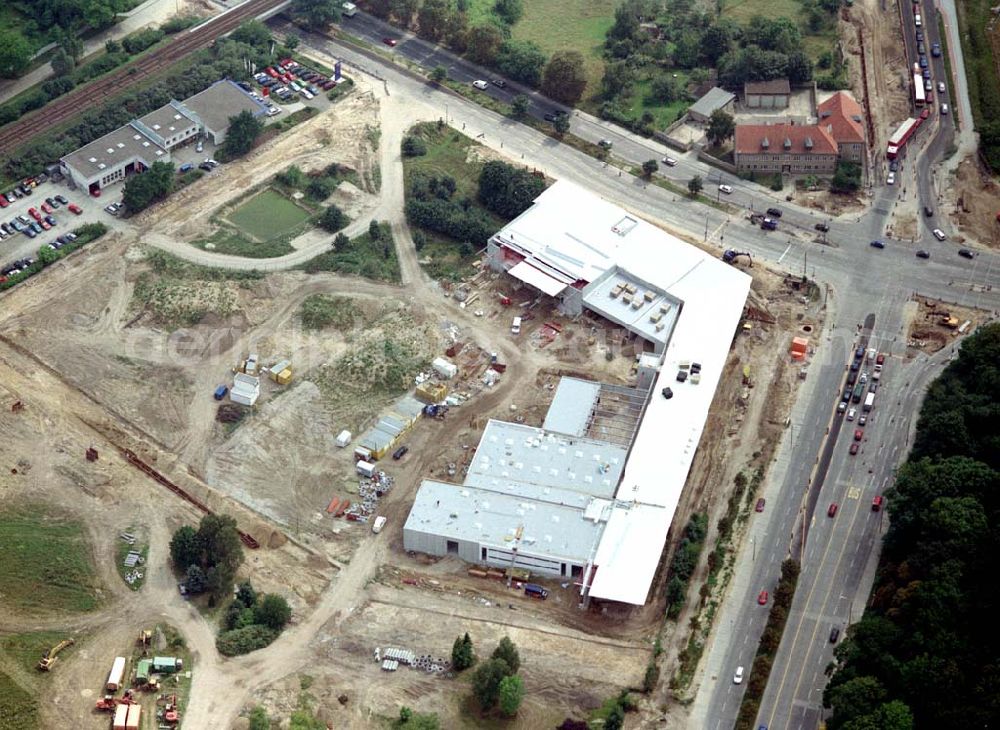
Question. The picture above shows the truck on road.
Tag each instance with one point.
(859, 389)
(869, 402)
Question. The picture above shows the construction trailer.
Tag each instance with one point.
(132, 720)
(114, 682)
(142, 671)
(167, 664)
(343, 438)
(444, 368)
(121, 717)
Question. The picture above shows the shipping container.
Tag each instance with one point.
(114, 682)
(121, 715)
(365, 468)
(343, 438)
(444, 368)
(132, 721)
(284, 377)
(166, 664)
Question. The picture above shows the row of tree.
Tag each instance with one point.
(496, 682)
(252, 621)
(924, 654)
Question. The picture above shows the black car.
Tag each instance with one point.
(499, 83)
(62, 199)
(822, 227)
(205, 166)
(400, 452)
(245, 86)
(965, 253)
(894, 166)
(921, 254)
(774, 212)
(834, 635)
(929, 212)
(553, 116)
(852, 377)
(877, 244)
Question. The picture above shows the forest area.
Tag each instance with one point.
(926, 653)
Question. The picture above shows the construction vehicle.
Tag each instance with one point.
(145, 638)
(49, 658)
(730, 256)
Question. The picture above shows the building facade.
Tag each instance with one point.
(772, 94)
(785, 148)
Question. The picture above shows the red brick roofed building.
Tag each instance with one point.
(843, 118)
(785, 148)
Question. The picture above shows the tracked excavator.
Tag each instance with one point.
(49, 658)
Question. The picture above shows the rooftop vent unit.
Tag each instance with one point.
(156, 126)
(101, 166)
(136, 137)
(91, 159)
(111, 150)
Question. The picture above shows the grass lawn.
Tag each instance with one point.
(45, 563)
(267, 215)
(18, 709)
(666, 114)
(362, 257)
(27, 649)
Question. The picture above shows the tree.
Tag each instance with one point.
(292, 41)
(855, 698)
(616, 718)
(221, 552)
(320, 188)
(414, 146)
(511, 693)
(146, 188)
(800, 67)
(508, 653)
(484, 44)
(246, 594)
(486, 682)
(561, 124)
(462, 656)
(717, 40)
(522, 61)
(432, 19)
(62, 64)
(184, 547)
(71, 45)
(272, 611)
(112, 46)
(253, 33)
(244, 129)
(695, 186)
(721, 126)
(15, 53)
(259, 719)
(410, 720)
(316, 13)
(374, 230)
(195, 579)
(779, 34)
(457, 31)
(510, 11)
(439, 74)
(846, 178)
(291, 176)
(665, 89)
(565, 78)
(519, 106)
(403, 10)
(333, 219)
(506, 190)
(47, 256)
(649, 167)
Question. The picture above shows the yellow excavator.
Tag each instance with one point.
(49, 658)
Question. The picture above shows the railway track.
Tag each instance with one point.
(20, 133)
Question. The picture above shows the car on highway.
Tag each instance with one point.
(553, 116)
(834, 635)
(858, 434)
(480, 84)
(941, 87)
(499, 83)
(919, 35)
(738, 676)
(774, 212)
(391, 42)
(877, 503)
(854, 448)
(890, 179)
(669, 161)
(760, 505)
(851, 414)
(863, 419)
(847, 395)
(842, 406)
(852, 377)
(894, 165)
(605, 144)
(926, 73)
(873, 386)
(935, 49)
(762, 598)
(822, 227)
(921, 49)
(877, 244)
(832, 510)
(727, 189)
(921, 254)
(923, 61)
(965, 253)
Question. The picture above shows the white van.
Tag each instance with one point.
(515, 326)
(378, 524)
(916, 20)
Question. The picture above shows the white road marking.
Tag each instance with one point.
(784, 252)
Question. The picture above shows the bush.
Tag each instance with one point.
(245, 640)
(141, 40)
(414, 146)
(333, 219)
(179, 23)
(57, 86)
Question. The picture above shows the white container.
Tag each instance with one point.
(343, 438)
(365, 468)
(444, 368)
(114, 682)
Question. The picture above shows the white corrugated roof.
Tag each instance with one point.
(538, 279)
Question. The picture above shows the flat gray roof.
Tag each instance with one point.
(714, 98)
(107, 152)
(220, 101)
(633, 303)
(168, 120)
(572, 406)
(480, 515)
(513, 452)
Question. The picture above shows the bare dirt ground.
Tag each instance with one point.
(973, 200)
(934, 325)
(93, 369)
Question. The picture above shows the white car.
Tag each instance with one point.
(851, 414)
(727, 189)
(480, 84)
(939, 234)
(669, 161)
(940, 87)
(944, 108)
(273, 111)
(890, 179)
(738, 677)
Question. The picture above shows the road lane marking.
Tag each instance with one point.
(784, 252)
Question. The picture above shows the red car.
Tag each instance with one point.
(391, 42)
(33, 212)
(272, 73)
(760, 505)
(854, 448)
(762, 598)
(74, 208)
(832, 512)
(880, 359)
(3, 201)
(95, 193)
(44, 224)
(858, 434)
(46, 207)
(877, 503)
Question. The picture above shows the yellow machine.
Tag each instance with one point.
(46, 662)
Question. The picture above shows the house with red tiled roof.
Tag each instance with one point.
(843, 118)
(807, 149)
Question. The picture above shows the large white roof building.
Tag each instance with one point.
(569, 245)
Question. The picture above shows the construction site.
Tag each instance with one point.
(126, 420)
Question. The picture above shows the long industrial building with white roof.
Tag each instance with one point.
(591, 495)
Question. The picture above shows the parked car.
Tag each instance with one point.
(921, 254)
(33, 212)
(762, 598)
(774, 212)
(400, 452)
(966, 253)
(51, 220)
(760, 505)
(727, 189)
(832, 510)
(822, 227)
(877, 244)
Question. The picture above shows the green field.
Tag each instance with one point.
(27, 649)
(267, 215)
(18, 709)
(45, 563)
